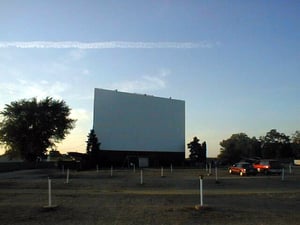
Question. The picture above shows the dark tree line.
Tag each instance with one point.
(273, 145)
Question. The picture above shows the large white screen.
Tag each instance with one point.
(134, 122)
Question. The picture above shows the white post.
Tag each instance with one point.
(142, 176)
(97, 168)
(171, 168)
(134, 168)
(290, 168)
(49, 192)
(216, 172)
(201, 190)
(111, 171)
(162, 172)
(206, 167)
(68, 174)
(282, 174)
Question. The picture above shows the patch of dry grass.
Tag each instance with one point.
(97, 198)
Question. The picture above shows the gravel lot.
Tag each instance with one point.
(99, 198)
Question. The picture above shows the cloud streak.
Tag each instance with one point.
(143, 84)
(106, 45)
(28, 89)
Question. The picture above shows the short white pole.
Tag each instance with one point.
(290, 168)
(142, 181)
(206, 167)
(282, 174)
(134, 168)
(97, 168)
(171, 168)
(68, 175)
(201, 190)
(216, 172)
(111, 171)
(162, 172)
(49, 192)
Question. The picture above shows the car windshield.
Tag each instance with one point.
(246, 165)
(243, 165)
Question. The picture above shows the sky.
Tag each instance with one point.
(234, 63)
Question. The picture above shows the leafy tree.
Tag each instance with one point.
(256, 148)
(237, 147)
(30, 127)
(197, 151)
(276, 145)
(93, 148)
(296, 144)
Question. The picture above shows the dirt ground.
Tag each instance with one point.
(98, 198)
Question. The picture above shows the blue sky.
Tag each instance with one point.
(235, 63)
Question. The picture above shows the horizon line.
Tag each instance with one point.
(106, 45)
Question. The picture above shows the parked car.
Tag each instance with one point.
(242, 168)
(268, 166)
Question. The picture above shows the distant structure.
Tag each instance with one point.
(138, 129)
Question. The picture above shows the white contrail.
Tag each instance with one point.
(105, 45)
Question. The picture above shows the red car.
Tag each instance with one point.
(267, 166)
(242, 168)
